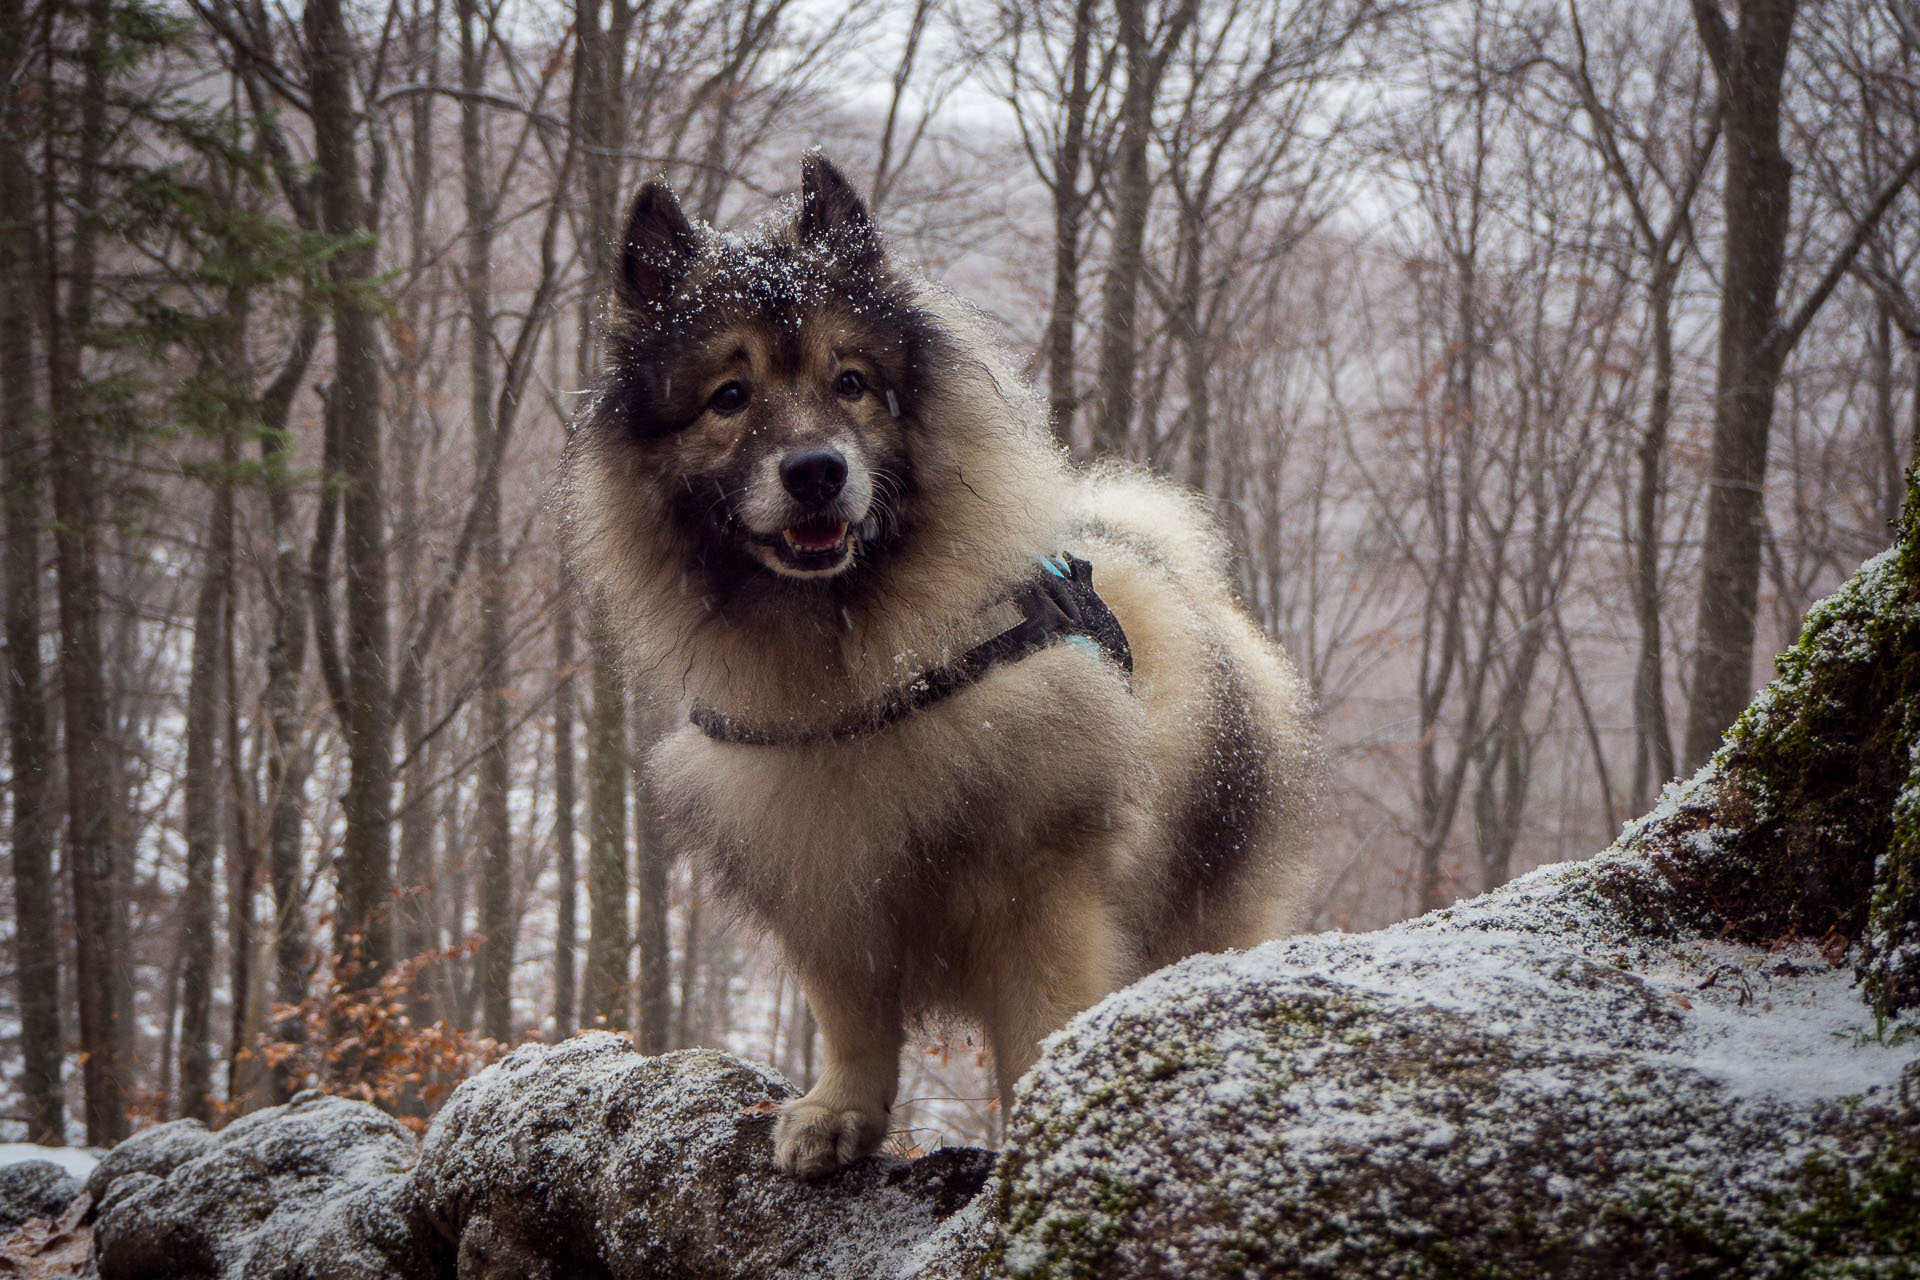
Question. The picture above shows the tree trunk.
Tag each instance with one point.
(1196, 342)
(596, 107)
(1885, 429)
(686, 1028)
(245, 1076)
(34, 825)
(204, 812)
(286, 752)
(496, 848)
(362, 925)
(1653, 759)
(103, 975)
(607, 937)
(1751, 61)
(1069, 216)
(566, 872)
(1132, 202)
(656, 966)
(418, 922)
(1132, 194)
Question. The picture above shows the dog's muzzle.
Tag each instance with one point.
(806, 510)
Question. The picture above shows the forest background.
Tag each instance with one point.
(1544, 359)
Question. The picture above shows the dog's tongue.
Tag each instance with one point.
(817, 535)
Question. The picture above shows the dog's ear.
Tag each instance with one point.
(657, 248)
(831, 212)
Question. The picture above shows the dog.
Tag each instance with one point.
(971, 731)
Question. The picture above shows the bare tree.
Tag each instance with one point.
(1058, 67)
(1662, 246)
(34, 823)
(362, 927)
(94, 804)
(1146, 46)
(482, 205)
(1749, 59)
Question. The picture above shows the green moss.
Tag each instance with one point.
(1816, 813)
(1865, 1212)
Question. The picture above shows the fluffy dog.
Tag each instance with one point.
(814, 503)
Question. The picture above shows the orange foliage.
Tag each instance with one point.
(360, 1041)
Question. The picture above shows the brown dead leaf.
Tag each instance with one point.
(46, 1248)
(764, 1107)
(1833, 947)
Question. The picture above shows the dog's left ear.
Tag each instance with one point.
(656, 248)
(832, 212)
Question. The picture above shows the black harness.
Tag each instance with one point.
(1058, 600)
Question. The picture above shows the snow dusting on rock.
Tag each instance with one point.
(1522, 1085)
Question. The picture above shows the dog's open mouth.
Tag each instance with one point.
(820, 542)
(815, 535)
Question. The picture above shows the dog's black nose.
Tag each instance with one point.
(814, 476)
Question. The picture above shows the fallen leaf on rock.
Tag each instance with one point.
(49, 1247)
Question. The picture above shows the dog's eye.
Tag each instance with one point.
(731, 397)
(850, 385)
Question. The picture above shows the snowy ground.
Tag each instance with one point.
(74, 1160)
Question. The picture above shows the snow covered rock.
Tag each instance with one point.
(313, 1188)
(157, 1151)
(1535, 1083)
(1654, 1062)
(589, 1159)
(584, 1159)
(1453, 1097)
(33, 1189)
(1648, 1063)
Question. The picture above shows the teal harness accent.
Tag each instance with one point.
(1057, 601)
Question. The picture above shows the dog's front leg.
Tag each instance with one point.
(844, 1115)
(1059, 954)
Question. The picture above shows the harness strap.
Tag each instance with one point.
(1058, 600)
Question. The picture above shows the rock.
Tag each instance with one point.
(585, 1159)
(155, 1152)
(1651, 1062)
(34, 1189)
(1456, 1097)
(588, 1159)
(312, 1188)
(1564, 1078)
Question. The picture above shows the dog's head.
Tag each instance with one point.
(766, 387)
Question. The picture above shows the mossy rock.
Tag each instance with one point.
(1451, 1099)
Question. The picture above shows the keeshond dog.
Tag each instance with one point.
(970, 731)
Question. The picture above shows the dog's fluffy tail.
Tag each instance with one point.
(1129, 505)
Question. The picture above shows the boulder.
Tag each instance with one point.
(34, 1189)
(584, 1159)
(592, 1160)
(1455, 1097)
(313, 1188)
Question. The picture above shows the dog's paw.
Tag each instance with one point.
(813, 1139)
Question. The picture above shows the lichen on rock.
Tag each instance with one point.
(1456, 1099)
(1818, 784)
